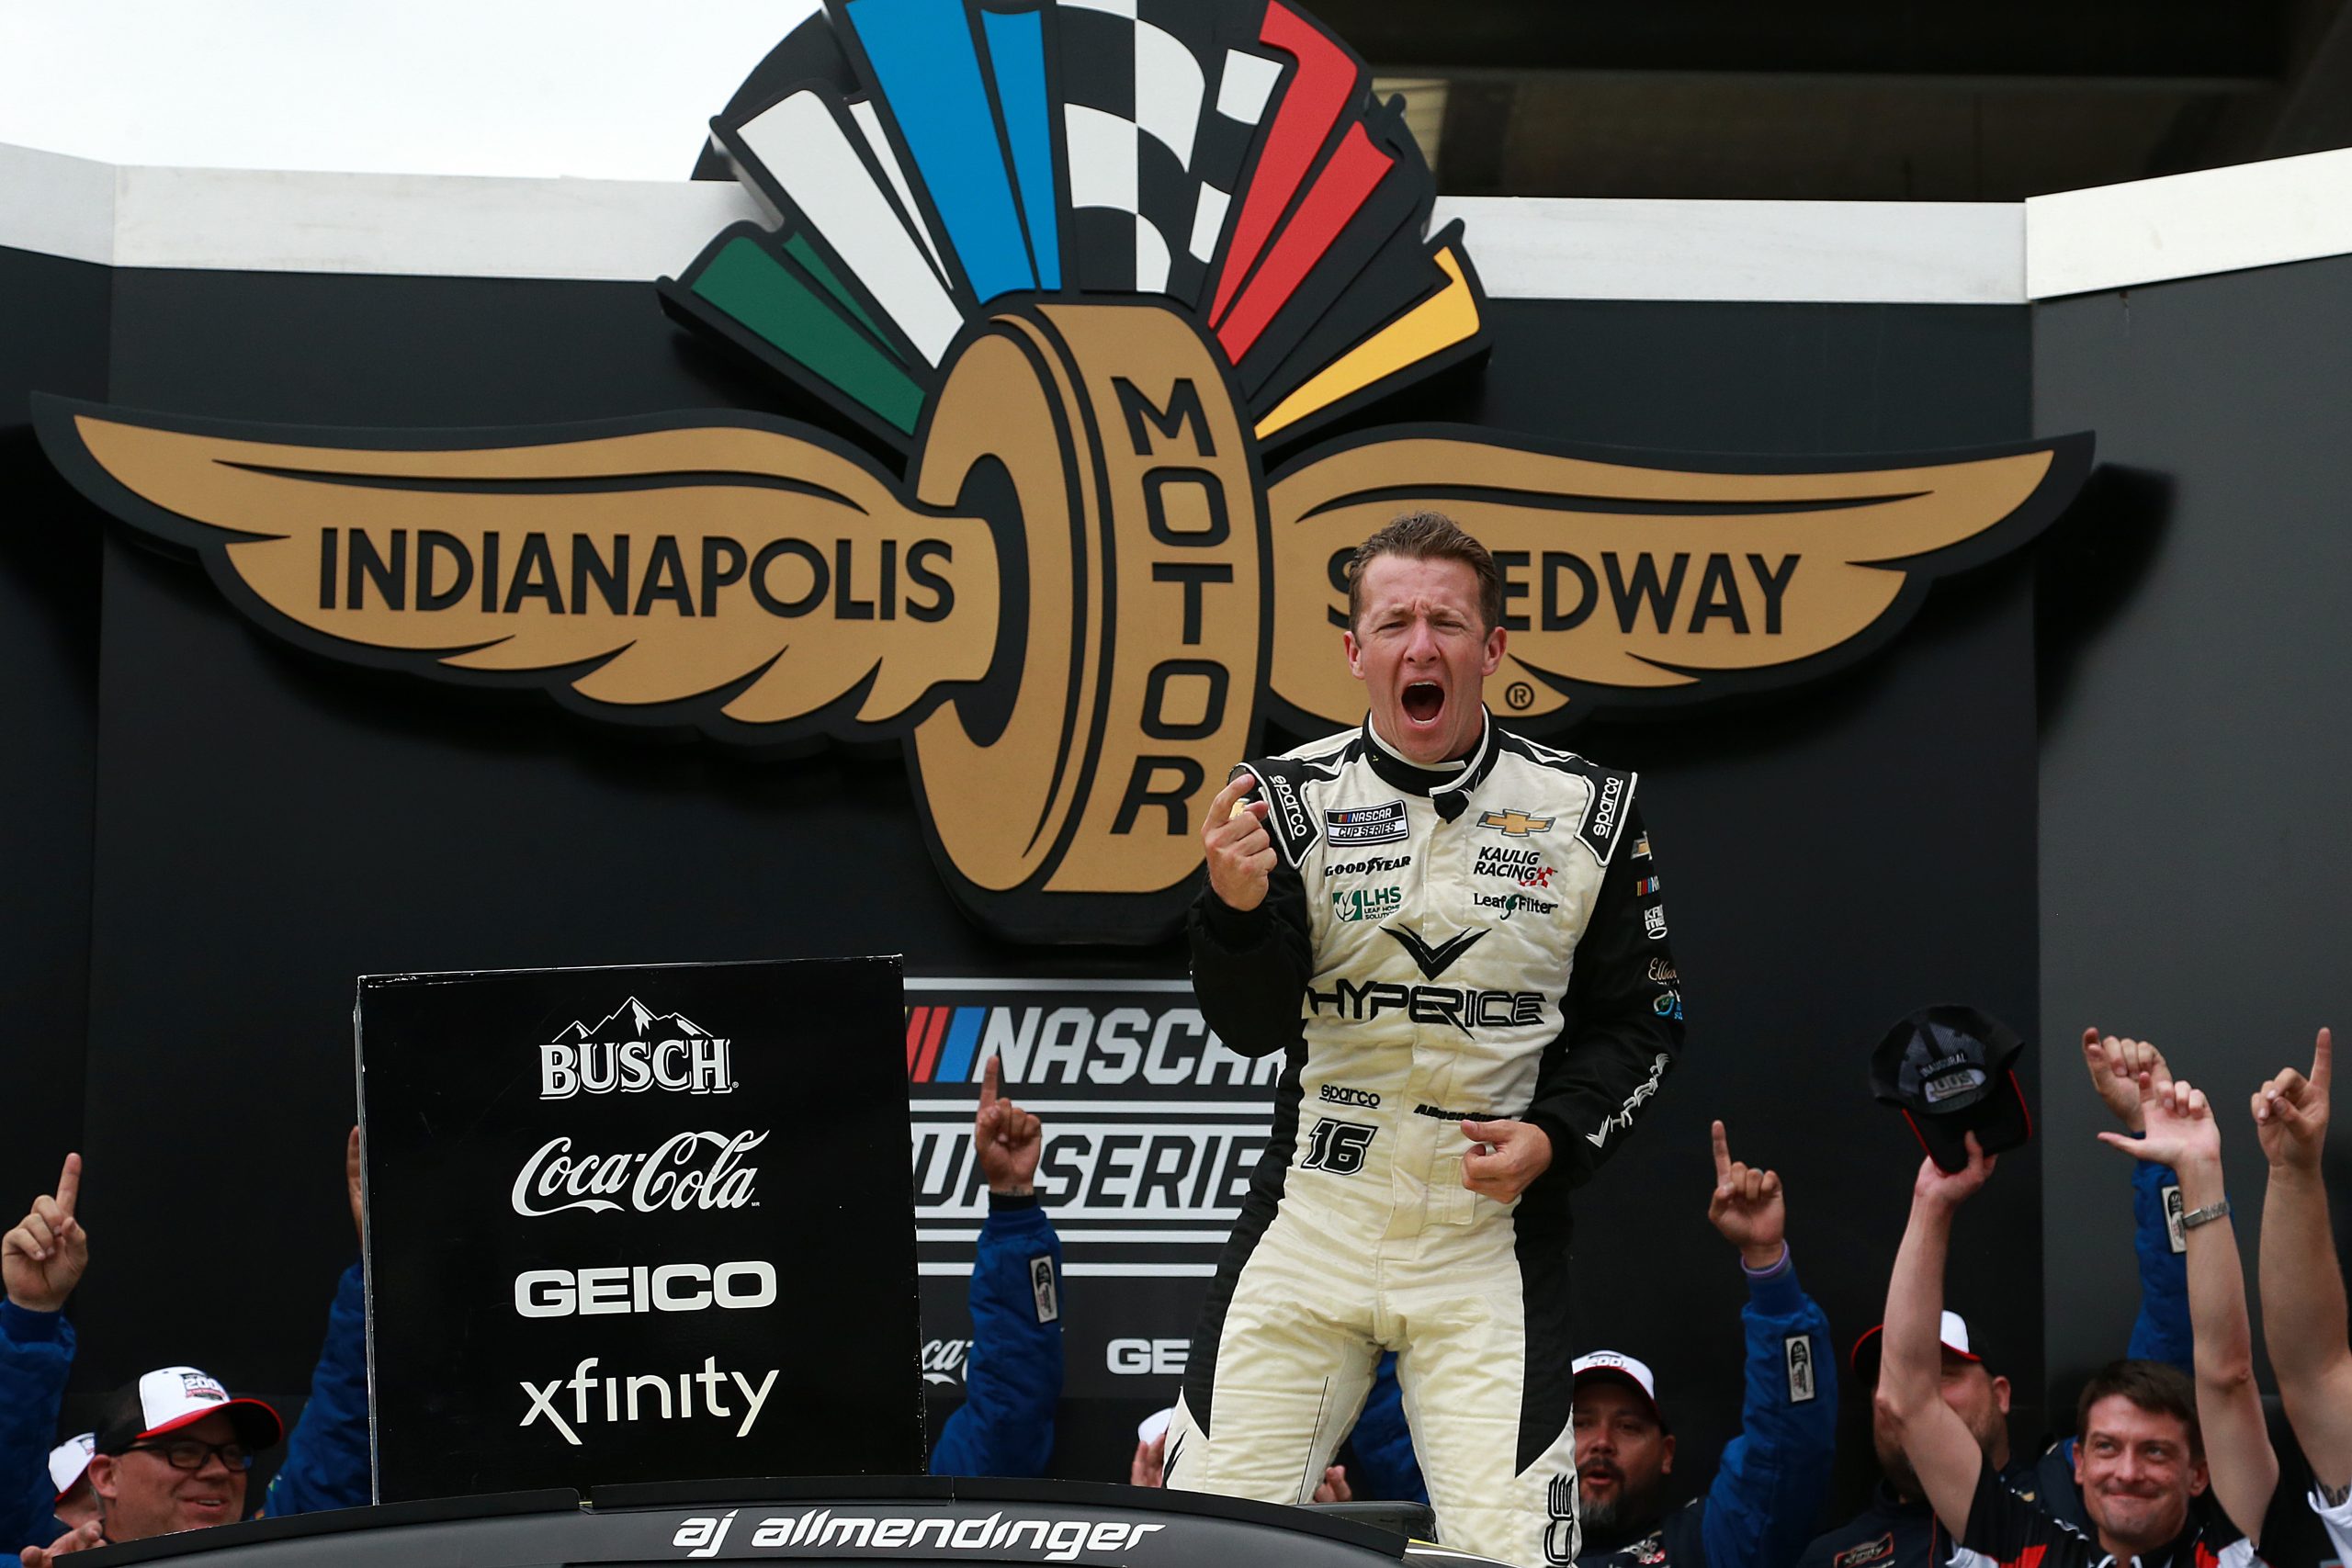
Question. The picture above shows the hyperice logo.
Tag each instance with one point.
(1076, 270)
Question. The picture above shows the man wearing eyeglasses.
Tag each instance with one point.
(173, 1453)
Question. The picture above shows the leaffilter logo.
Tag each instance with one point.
(1082, 268)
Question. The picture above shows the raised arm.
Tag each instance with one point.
(1250, 950)
(2183, 1134)
(1937, 1441)
(2161, 1331)
(2302, 1287)
(1774, 1475)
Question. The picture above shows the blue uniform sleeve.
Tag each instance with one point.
(1775, 1475)
(1012, 1375)
(326, 1460)
(2161, 1331)
(1386, 1469)
(36, 1352)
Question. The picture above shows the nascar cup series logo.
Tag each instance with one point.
(1081, 266)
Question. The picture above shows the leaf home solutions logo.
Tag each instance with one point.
(1079, 268)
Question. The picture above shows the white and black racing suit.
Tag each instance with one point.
(1484, 940)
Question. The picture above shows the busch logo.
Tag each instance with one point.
(690, 1170)
(633, 1051)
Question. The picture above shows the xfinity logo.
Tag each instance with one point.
(689, 1170)
(671, 1287)
(645, 1396)
(633, 1051)
(1053, 1541)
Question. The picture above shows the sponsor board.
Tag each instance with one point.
(625, 1147)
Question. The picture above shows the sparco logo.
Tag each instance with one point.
(1071, 591)
(633, 1051)
(1046, 1540)
(1286, 802)
(688, 1170)
(1336, 1094)
(1604, 815)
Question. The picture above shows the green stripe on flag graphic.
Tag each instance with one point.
(774, 301)
(801, 249)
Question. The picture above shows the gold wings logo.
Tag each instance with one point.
(1084, 596)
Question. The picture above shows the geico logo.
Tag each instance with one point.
(645, 1396)
(669, 1287)
(1117, 1046)
(689, 1170)
(630, 1067)
(1199, 1173)
(1161, 1358)
(1430, 1004)
(1057, 1540)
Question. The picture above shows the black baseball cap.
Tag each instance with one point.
(1952, 1070)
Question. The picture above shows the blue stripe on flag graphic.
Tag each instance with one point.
(1017, 58)
(955, 1051)
(929, 71)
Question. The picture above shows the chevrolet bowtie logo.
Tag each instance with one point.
(1074, 592)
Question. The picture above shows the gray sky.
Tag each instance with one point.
(601, 88)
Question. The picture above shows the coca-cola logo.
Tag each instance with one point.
(688, 1170)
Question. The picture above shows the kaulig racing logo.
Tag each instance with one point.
(1078, 270)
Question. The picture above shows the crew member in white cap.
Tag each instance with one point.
(69, 1472)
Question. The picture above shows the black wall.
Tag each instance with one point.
(267, 825)
(55, 337)
(2196, 848)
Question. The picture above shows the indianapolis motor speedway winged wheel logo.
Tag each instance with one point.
(1079, 262)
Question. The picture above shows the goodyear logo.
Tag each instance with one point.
(1078, 269)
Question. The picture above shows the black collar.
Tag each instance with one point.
(1448, 786)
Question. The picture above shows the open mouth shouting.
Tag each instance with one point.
(1424, 702)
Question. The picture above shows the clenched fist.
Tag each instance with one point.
(1240, 853)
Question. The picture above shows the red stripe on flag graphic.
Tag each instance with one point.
(1317, 95)
(939, 1016)
(916, 1019)
(1346, 185)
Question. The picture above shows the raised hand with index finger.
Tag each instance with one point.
(2290, 1111)
(1747, 1207)
(1007, 1138)
(41, 1259)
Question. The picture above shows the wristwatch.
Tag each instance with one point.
(2206, 1216)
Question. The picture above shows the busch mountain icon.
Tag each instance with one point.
(1077, 267)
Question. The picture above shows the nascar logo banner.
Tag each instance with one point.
(1152, 1128)
(636, 1224)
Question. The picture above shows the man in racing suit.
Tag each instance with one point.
(1457, 934)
